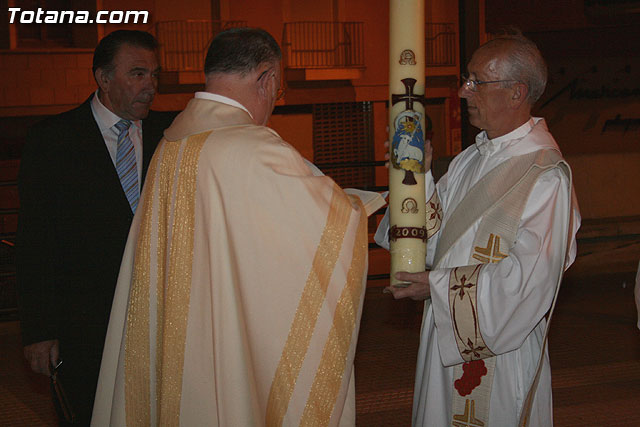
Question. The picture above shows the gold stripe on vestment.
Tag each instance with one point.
(166, 194)
(175, 307)
(330, 373)
(137, 355)
(306, 316)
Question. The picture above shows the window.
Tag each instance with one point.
(343, 133)
(43, 35)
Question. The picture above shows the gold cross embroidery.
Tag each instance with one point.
(468, 419)
(491, 253)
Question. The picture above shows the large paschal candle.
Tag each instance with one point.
(407, 217)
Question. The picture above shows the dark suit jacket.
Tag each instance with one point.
(72, 228)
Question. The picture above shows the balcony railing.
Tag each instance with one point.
(8, 224)
(440, 44)
(183, 44)
(323, 45)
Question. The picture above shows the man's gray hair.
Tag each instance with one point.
(522, 62)
(240, 51)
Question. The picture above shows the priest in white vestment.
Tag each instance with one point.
(242, 284)
(483, 330)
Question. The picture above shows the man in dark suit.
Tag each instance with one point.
(80, 178)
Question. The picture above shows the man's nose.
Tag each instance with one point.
(151, 83)
(464, 91)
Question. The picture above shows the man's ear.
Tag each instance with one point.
(102, 78)
(520, 93)
(264, 79)
(262, 88)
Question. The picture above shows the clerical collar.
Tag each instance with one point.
(105, 118)
(488, 146)
(222, 99)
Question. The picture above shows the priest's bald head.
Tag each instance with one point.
(244, 64)
(505, 77)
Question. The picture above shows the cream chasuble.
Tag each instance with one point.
(241, 289)
(512, 285)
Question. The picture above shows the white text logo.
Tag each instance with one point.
(41, 16)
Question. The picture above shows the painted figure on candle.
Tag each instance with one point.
(408, 145)
(407, 57)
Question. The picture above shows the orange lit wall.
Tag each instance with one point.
(34, 83)
(297, 129)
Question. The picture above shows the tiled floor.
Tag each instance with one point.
(594, 348)
(24, 397)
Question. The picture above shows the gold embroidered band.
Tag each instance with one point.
(179, 160)
(166, 180)
(175, 307)
(331, 370)
(137, 357)
(308, 309)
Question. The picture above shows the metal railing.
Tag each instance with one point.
(8, 190)
(8, 297)
(323, 45)
(440, 44)
(184, 44)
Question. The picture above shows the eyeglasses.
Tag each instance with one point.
(473, 84)
(280, 93)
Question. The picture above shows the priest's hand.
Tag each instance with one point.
(417, 290)
(41, 355)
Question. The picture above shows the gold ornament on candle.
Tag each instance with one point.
(407, 216)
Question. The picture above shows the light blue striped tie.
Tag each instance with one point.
(126, 164)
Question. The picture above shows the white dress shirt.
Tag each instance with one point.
(222, 99)
(106, 120)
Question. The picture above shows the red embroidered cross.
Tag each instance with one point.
(463, 284)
